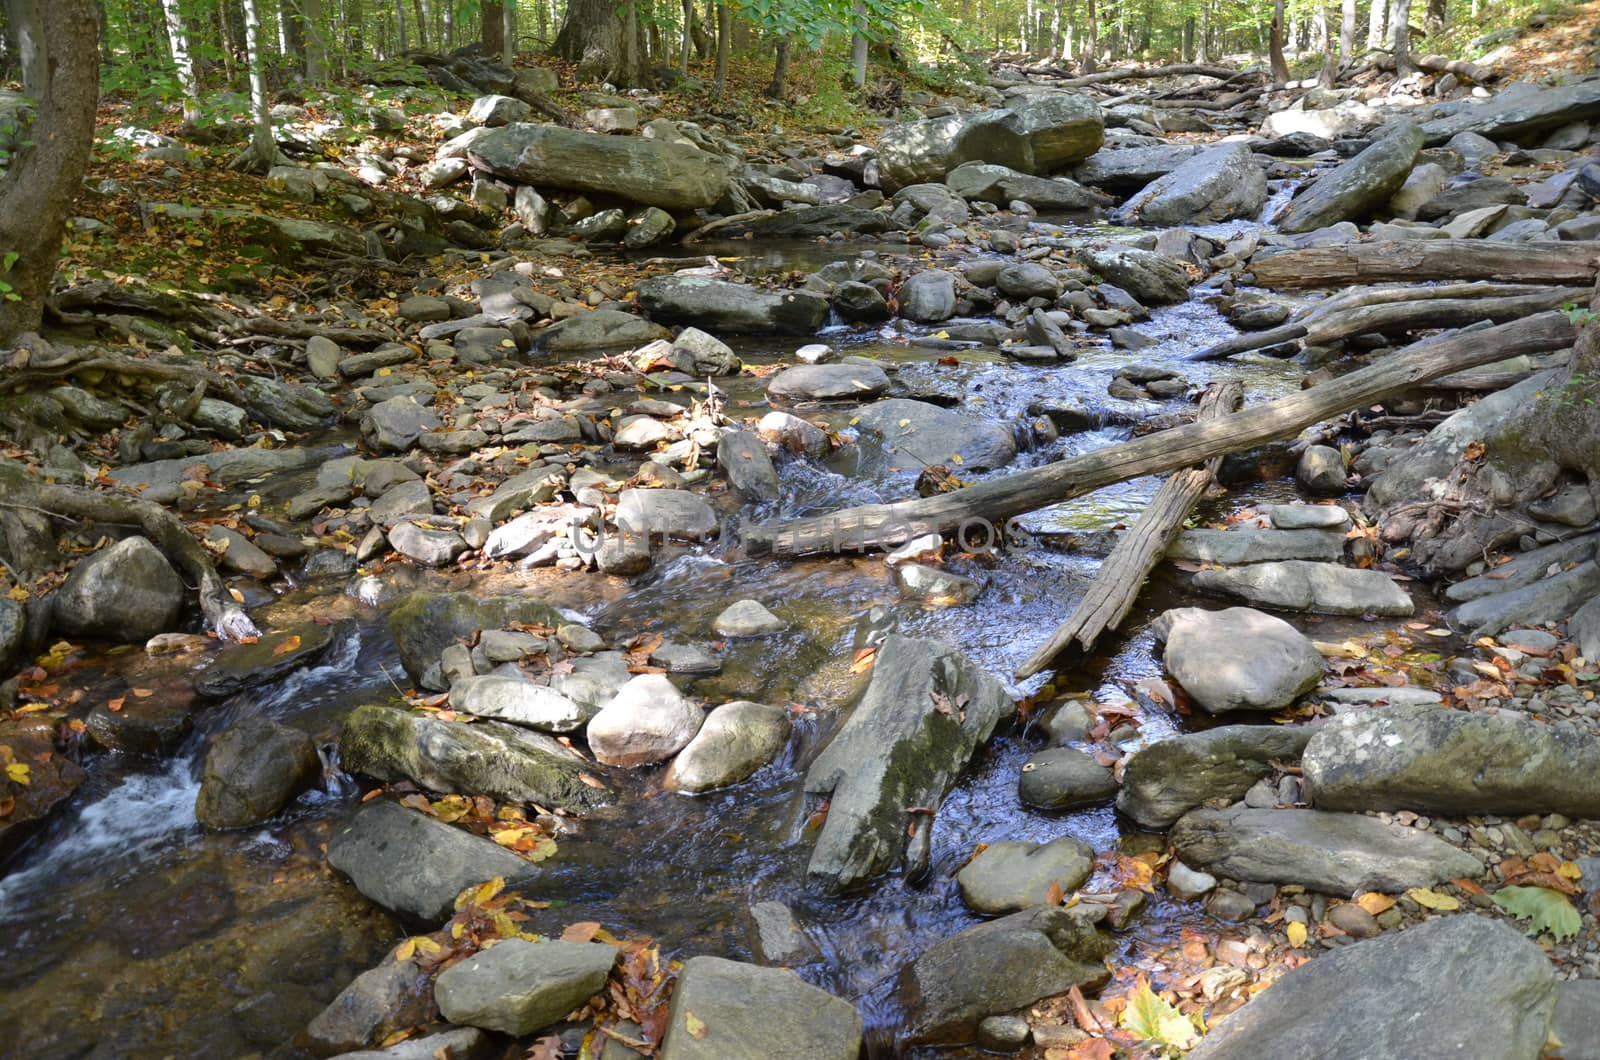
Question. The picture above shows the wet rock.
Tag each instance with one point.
(1152, 278)
(601, 329)
(52, 778)
(793, 433)
(1239, 659)
(1165, 780)
(723, 306)
(934, 585)
(1549, 600)
(925, 711)
(647, 722)
(1354, 921)
(1321, 470)
(1027, 279)
(643, 433)
(393, 426)
(428, 545)
(151, 726)
(1003, 1034)
(1576, 1023)
(916, 434)
(1221, 183)
(491, 758)
(405, 500)
(860, 303)
(517, 987)
(828, 382)
(1128, 169)
(998, 967)
(1356, 188)
(747, 618)
(1007, 877)
(1257, 316)
(698, 353)
(393, 996)
(1062, 778)
(1188, 883)
(1298, 585)
(779, 938)
(1335, 853)
(1452, 987)
(742, 1009)
(413, 864)
(424, 624)
(736, 740)
(1039, 135)
(1447, 761)
(252, 771)
(456, 1043)
(646, 171)
(241, 666)
(1244, 545)
(125, 592)
(1230, 906)
(519, 702)
(1307, 516)
(13, 632)
(928, 297)
(668, 513)
(743, 458)
(649, 227)
(678, 658)
(987, 182)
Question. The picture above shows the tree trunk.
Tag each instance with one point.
(1186, 47)
(858, 46)
(1376, 20)
(1416, 261)
(494, 29)
(780, 69)
(316, 41)
(262, 154)
(355, 17)
(1091, 38)
(1400, 37)
(508, 32)
(424, 18)
(1347, 32)
(602, 38)
(687, 44)
(1202, 51)
(1280, 66)
(1326, 77)
(724, 47)
(182, 58)
(56, 44)
(1433, 20)
(292, 32)
(401, 30)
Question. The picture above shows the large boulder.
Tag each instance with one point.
(1300, 585)
(1040, 135)
(424, 624)
(125, 592)
(1223, 183)
(1239, 659)
(736, 740)
(649, 172)
(1413, 757)
(252, 771)
(1453, 987)
(1519, 112)
(1154, 279)
(1130, 168)
(828, 382)
(1335, 853)
(601, 329)
(724, 1009)
(987, 182)
(996, 967)
(647, 722)
(928, 296)
(1354, 189)
(517, 987)
(915, 434)
(721, 305)
(1167, 779)
(926, 709)
(413, 864)
(484, 758)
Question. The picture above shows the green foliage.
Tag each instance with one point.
(1546, 909)
(8, 291)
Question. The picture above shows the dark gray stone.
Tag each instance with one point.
(252, 771)
(517, 987)
(745, 1010)
(1165, 780)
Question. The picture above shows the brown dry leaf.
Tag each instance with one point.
(143, 693)
(1055, 894)
(1093, 1049)
(115, 705)
(548, 1048)
(582, 931)
(863, 660)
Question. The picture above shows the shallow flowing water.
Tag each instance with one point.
(127, 931)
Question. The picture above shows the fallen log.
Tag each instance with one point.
(1126, 73)
(1430, 259)
(1116, 585)
(878, 526)
(1336, 323)
(1438, 64)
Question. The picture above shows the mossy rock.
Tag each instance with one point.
(424, 624)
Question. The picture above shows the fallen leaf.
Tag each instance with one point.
(1375, 903)
(1444, 903)
(1547, 910)
(287, 645)
(694, 1025)
(1297, 934)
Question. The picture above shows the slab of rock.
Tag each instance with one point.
(925, 711)
(1354, 189)
(431, 546)
(916, 434)
(517, 987)
(1299, 585)
(1062, 778)
(987, 182)
(1039, 135)
(393, 426)
(669, 513)
(828, 382)
(52, 777)
(1165, 780)
(492, 758)
(1510, 116)
(424, 624)
(1307, 516)
(721, 305)
(413, 864)
(1455, 986)
(125, 592)
(647, 722)
(393, 996)
(646, 171)
(1246, 545)
(744, 459)
(1008, 877)
(241, 666)
(456, 1043)
(252, 771)
(1127, 169)
(1221, 183)
(601, 329)
(1413, 757)
(1335, 853)
(1153, 279)
(736, 739)
(1000, 966)
(723, 1009)
(699, 353)
(778, 938)
(1551, 599)
(1239, 659)
(518, 701)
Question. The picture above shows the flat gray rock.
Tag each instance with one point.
(828, 382)
(1299, 585)
(1165, 780)
(1008, 877)
(517, 987)
(519, 702)
(1239, 658)
(724, 1009)
(1246, 545)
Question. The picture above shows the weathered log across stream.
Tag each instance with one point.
(1414, 261)
(881, 526)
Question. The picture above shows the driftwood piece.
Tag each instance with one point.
(1338, 322)
(1120, 577)
(1438, 64)
(1430, 259)
(877, 526)
(1126, 73)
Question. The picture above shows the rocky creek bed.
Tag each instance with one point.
(532, 748)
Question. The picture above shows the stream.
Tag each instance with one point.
(127, 931)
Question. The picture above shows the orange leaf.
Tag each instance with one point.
(863, 660)
(287, 645)
(143, 693)
(1055, 894)
(115, 705)
(582, 931)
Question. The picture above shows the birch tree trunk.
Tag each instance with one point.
(182, 58)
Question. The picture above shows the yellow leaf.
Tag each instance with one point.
(404, 951)
(17, 773)
(1570, 870)
(1433, 900)
(694, 1025)
(18, 593)
(1375, 903)
(955, 458)
(1297, 934)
